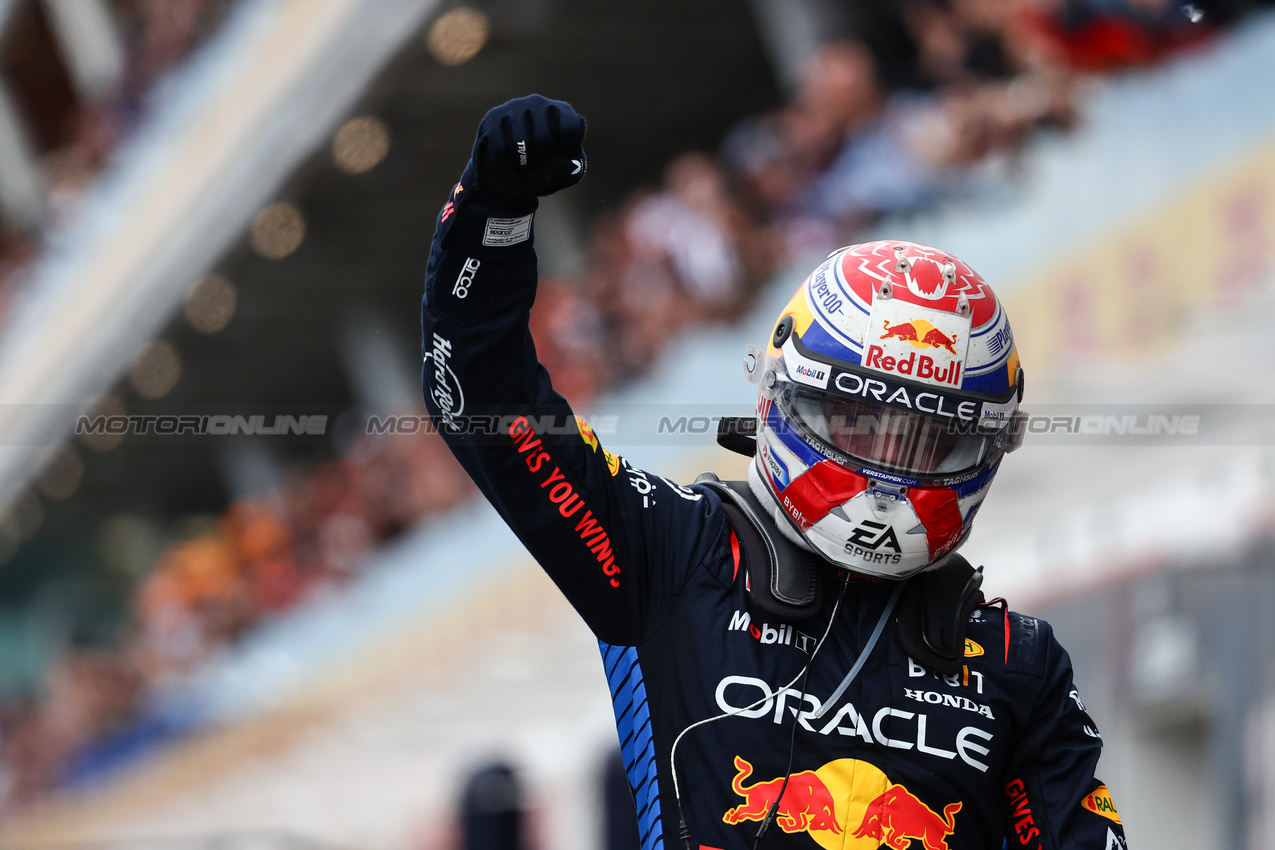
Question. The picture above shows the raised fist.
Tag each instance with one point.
(530, 146)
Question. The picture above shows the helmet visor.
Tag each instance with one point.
(882, 436)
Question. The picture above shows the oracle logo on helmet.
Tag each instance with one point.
(905, 397)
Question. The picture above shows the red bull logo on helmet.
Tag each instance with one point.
(919, 343)
(920, 333)
(846, 804)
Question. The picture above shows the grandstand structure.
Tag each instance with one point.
(295, 154)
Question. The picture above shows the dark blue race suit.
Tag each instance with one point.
(1001, 752)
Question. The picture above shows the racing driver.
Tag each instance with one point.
(802, 659)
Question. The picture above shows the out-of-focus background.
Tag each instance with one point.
(245, 602)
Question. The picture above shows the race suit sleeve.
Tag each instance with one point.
(1051, 799)
(619, 542)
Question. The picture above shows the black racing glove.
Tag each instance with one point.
(525, 148)
(530, 146)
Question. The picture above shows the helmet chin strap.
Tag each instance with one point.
(764, 495)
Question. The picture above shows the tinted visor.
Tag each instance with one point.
(882, 436)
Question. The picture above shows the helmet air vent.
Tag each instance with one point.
(782, 331)
(901, 264)
(886, 496)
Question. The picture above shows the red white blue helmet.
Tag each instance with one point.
(888, 396)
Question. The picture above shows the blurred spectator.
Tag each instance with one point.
(569, 331)
(963, 40)
(491, 810)
(765, 170)
(838, 94)
(195, 599)
(619, 819)
(1098, 36)
(687, 228)
(263, 545)
(684, 254)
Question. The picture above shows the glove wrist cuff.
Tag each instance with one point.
(488, 227)
(485, 221)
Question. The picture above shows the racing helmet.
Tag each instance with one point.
(887, 397)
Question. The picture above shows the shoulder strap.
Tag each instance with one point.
(783, 579)
(934, 612)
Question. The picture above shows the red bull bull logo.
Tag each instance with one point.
(921, 334)
(897, 817)
(825, 803)
(806, 804)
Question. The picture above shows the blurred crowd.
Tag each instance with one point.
(877, 127)
(852, 145)
(257, 559)
(263, 557)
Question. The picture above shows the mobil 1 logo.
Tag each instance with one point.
(782, 635)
